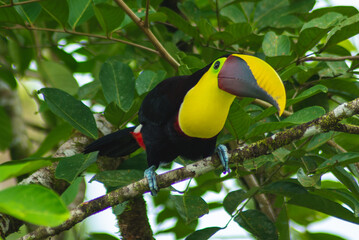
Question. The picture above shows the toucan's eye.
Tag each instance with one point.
(216, 65)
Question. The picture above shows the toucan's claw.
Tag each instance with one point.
(150, 174)
(223, 156)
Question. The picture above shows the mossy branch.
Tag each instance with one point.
(327, 122)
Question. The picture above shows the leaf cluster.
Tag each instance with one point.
(51, 46)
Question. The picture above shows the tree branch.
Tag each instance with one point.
(163, 52)
(347, 128)
(12, 3)
(327, 122)
(305, 59)
(33, 28)
(147, 22)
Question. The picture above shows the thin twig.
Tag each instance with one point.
(147, 22)
(332, 59)
(157, 44)
(12, 3)
(218, 18)
(82, 34)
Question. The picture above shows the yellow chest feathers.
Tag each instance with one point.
(205, 108)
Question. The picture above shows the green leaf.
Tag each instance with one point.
(239, 30)
(342, 195)
(323, 205)
(343, 87)
(349, 142)
(101, 236)
(60, 132)
(205, 28)
(320, 236)
(233, 199)
(179, 22)
(118, 178)
(344, 10)
(116, 116)
(305, 115)
(89, 90)
(20, 55)
(234, 13)
(238, 121)
(226, 37)
(274, 45)
(109, 17)
(5, 130)
(72, 191)
(20, 167)
(341, 159)
(266, 128)
(288, 21)
(79, 12)
(139, 162)
(335, 68)
(304, 216)
(71, 110)
(258, 224)
(189, 208)
(69, 168)
(318, 140)
(308, 180)
(266, 113)
(34, 204)
(313, 31)
(59, 76)
(257, 162)
(9, 15)
(29, 12)
(147, 80)
(283, 224)
(8, 77)
(307, 93)
(284, 188)
(282, 61)
(344, 30)
(183, 69)
(57, 9)
(118, 83)
(347, 179)
(203, 234)
(268, 10)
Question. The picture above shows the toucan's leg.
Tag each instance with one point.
(150, 174)
(223, 156)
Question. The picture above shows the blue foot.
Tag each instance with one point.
(150, 174)
(223, 156)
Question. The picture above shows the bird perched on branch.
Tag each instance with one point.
(183, 115)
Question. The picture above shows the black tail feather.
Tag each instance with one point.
(117, 144)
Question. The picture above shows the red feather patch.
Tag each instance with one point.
(139, 139)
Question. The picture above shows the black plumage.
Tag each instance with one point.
(162, 137)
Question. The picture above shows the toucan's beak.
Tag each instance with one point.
(248, 76)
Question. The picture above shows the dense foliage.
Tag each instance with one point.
(123, 50)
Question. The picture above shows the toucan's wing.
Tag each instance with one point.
(163, 102)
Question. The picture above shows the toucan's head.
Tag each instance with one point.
(248, 76)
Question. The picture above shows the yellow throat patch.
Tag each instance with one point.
(205, 107)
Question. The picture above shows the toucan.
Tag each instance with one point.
(183, 115)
